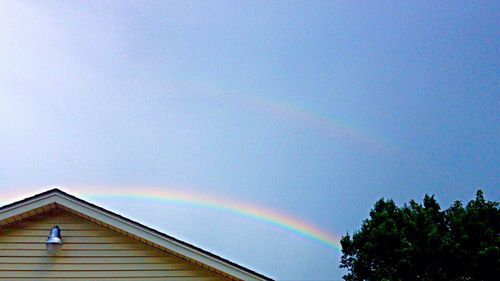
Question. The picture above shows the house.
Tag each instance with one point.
(98, 245)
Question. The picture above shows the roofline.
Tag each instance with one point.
(196, 253)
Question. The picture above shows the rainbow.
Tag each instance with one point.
(295, 225)
(311, 119)
(300, 115)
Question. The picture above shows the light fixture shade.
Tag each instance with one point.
(54, 242)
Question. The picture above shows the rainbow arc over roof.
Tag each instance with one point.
(260, 213)
(200, 200)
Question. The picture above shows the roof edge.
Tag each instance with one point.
(56, 195)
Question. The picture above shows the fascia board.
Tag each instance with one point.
(26, 206)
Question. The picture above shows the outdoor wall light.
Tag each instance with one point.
(54, 242)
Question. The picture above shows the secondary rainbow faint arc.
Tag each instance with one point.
(297, 114)
(287, 222)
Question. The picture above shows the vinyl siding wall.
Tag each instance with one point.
(90, 252)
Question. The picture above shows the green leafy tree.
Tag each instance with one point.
(423, 242)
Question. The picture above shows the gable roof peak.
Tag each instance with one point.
(57, 197)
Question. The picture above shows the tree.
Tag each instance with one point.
(423, 242)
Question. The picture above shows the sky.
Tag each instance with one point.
(232, 124)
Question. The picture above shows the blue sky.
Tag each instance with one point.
(312, 109)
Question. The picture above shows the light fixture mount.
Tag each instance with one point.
(54, 242)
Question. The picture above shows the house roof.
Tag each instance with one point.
(36, 204)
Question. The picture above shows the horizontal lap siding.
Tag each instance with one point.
(90, 252)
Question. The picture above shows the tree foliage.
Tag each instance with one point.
(423, 242)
